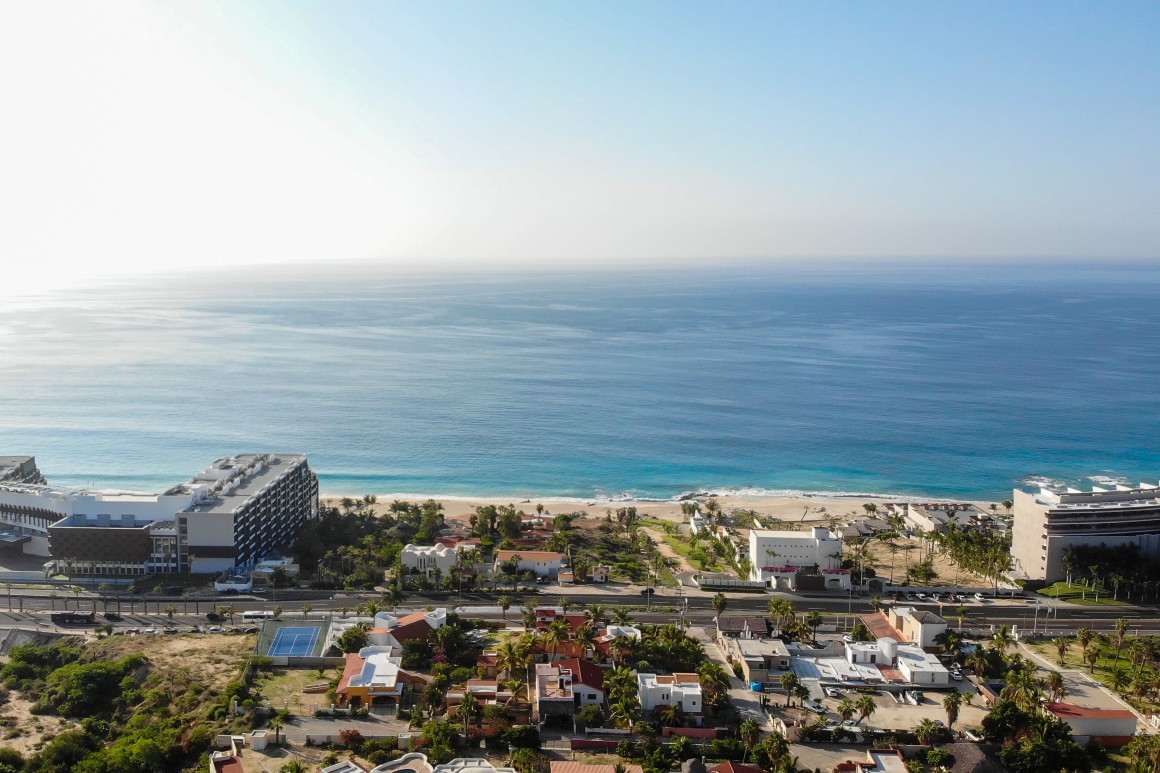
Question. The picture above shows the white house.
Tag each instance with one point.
(566, 685)
(1111, 727)
(817, 548)
(542, 563)
(914, 666)
(682, 690)
(428, 558)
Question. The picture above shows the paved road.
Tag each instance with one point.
(747, 702)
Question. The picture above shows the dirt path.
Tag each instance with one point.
(667, 551)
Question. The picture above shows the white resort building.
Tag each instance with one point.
(232, 514)
(682, 690)
(428, 558)
(1047, 523)
(774, 553)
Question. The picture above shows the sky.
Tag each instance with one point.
(164, 137)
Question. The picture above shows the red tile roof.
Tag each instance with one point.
(354, 665)
(231, 765)
(584, 672)
(880, 627)
(529, 555)
(735, 767)
(1068, 711)
(413, 626)
(567, 766)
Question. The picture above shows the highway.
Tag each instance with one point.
(28, 605)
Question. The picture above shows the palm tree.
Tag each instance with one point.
(596, 615)
(294, 766)
(672, 715)
(1056, 686)
(306, 610)
(1121, 632)
(1007, 505)
(951, 702)
(780, 610)
(505, 603)
(372, 608)
(508, 657)
(979, 661)
(467, 708)
(847, 709)
(802, 693)
(749, 731)
(926, 732)
(623, 712)
(1084, 636)
(277, 612)
(1003, 639)
(1062, 643)
(1120, 679)
(866, 707)
(276, 724)
(621, 616)
(813, 620)
(565, 604)
(789, 681)
(1092, 656)
(719, 603)
(170, 610)
(586, 637)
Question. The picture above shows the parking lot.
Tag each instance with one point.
(891, 715)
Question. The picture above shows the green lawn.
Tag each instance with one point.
(1080, 594)
(1104, 667)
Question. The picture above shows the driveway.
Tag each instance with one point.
(747, 702)
(298, 728)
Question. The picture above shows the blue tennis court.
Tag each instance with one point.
(294, 642)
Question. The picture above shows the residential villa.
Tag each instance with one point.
(371, 677)
(778, 555)
(566, 685)
(761, 660)
(542, 563)
(683, 690)
(426, 559)
(907, 624)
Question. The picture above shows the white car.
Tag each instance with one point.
(814, 706)
(832, 693)
(847, 638)
(978, 597)
(922, 596)
(957, 676)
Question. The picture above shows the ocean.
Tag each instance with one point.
(944, 381)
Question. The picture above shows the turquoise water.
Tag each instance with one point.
(945, 381)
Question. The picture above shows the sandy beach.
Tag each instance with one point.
(773, 511)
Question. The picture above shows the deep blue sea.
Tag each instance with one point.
(945, 381)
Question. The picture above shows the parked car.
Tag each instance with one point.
(648, 591)
(922, 596)
(832, 693)
(957, 676)
(112, 617)
(814, 706)
(213, 617)
(215, 629)
(978, 597)
(847, 637)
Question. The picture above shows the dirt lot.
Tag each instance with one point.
(947, 570)
(207, 659)
(891, 715)
(283, 688)
(25, 731)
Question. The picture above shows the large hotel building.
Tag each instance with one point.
(1048, 522)
(234, 513)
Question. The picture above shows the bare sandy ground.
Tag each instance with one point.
(773, 512)
(780, 511)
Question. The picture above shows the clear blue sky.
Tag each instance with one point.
(422, 133)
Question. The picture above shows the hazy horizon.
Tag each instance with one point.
(155, 138)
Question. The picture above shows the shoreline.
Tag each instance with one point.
(780, 511)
